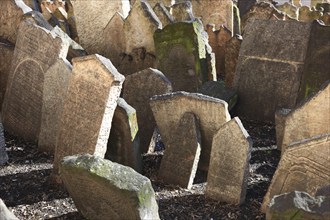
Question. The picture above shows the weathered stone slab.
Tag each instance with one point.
(270, 66)
(298, 205)
(181, 156)
(3, 153)
(289, 9)
(36, 51)
(229, 163)
(184, 55)
(6, 56)
(54, 93)
(115, 191)
(124, 141)
(163, 14)
(138, 89)
(304, 166)
(231, 58)
(168, 109)
(182, 11)
(5, 213)
(310, 119)
(87, 113)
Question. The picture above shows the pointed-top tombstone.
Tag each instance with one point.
(163, 14)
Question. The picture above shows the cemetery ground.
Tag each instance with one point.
(26, 187)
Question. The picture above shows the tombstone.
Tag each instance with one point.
(298, 205)
(6, 56)
(229, 163)
(169, 108)
(324, 7)
(182, 11)
(184, 55)
(309, 119)
(270, 66)
(182, 153)
(231, 58)
(140, 26)
(36, 51)
(3, 153)
(124, 193)
(163, 14)
(124, 142)
(87, 113)
(138, 89)
(304, 166)
(5, 213)
(245, 5)
(54, 93)
(289, 9)
(306, 14)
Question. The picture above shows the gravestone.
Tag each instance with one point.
(138, 88)
(87, 113)
(3, 153)
(304, 166)
(270, 66)
(229, 163)
(182, 11)
(124, 142)
(231, 58)
(54, 93)
(169, 108)
(307, 14)
(163, 14)
(184, 55)
(310, 119)
(289, 9)
(245, 5)
(181, 156)
(117, 192)
(36, 51)
(139, 27)
(6, 56)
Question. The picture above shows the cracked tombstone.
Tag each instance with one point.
(87, 113)
(169, 108)
(3, 153)
(118, 192)
(6, 56)
(184, 55)
(138, 88)
(124, 141)
(229, 163)
(182, 153)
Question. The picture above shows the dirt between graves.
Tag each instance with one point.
(29, 194)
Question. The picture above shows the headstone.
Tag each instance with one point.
(310, 119)
(245, 5)
(163, 14)
(138, 89)
(270, 66)
(6, 56)
(181, 156)
(231, 58)
(168, 109)
(54, 93)
(140, 26)
(289, 9)
(306, 14)
(86, 118)
(304, 166)
(3, 153)
(184, 55)
(116, 191)
(124, 142)
(298, 205)
(182, 11)
(5, 213)
(229, 163)
(36, 51)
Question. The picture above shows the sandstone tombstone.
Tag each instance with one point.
(6, 56)
(168, 109)
(231, 58)
(118, 192)
(124, 142)
(289, 9)
(270, 66)
(37, 49)
(56, 82)
(182, 11)
(306, 14)
(87, 113)
(163, 14)
(138, 88)
(3, 153)
(229, 163)
(182, 153)
(304, 166)
(184, 55)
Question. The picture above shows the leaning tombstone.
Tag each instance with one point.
(124, 143)
(3, 153)
(124, 193)
(138, 88)
(182, 153)
(304, 166)
(229, 163)
(85, 122)
(212, 113)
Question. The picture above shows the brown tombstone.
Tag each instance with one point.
(231, 58)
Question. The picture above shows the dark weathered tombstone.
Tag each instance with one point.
(304, 166)
(124, 142)
(231, 58)
(181, 156)
(182, 11)
(184, 55)
(54, 93)
(138, 88)
(36, 51)
(3, 153)
(86, 118)
(163, 14)
(102, 189)
(229, 163)
(168, 109)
